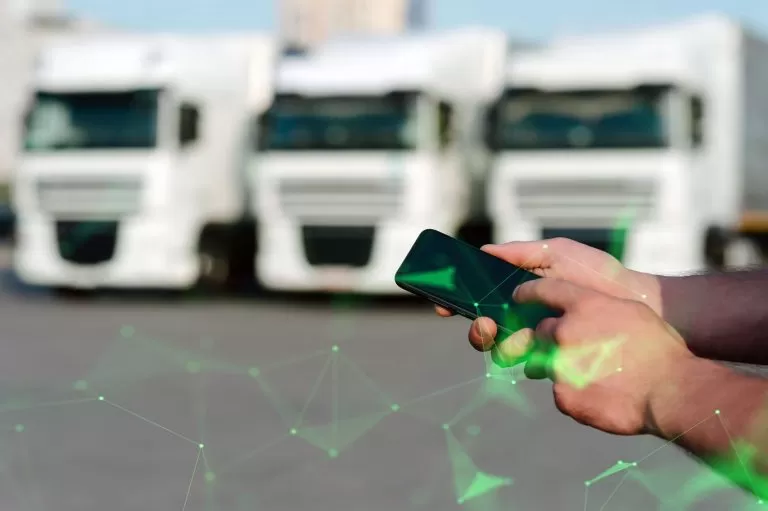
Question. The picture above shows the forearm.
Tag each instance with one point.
(721, 417)
(722, 316)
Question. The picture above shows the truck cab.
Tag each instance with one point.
(132, 172)
(629, 142)
(367, 142)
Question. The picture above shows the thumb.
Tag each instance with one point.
(528, 255)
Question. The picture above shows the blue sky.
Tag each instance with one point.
(534, 19)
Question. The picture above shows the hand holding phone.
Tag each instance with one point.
(468, 281)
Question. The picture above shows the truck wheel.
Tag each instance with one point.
(214, 269)
(741, 252)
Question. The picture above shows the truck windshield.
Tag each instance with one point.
(92, 120)
(615, 119)
(340, 123)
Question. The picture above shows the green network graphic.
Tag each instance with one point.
(344, 404)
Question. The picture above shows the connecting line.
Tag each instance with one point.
(503, 281)
(12, 408)
(675, 438)
(442, 391)
(312, 394)
(149, 421)
(738, 456)
(191, 479)
(615, 490)
(242, 459)
(630, 466)
(614, 281)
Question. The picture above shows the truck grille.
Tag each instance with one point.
(594, 202)
(338, 246)
(353, 201)
(86, 243)
(108, 197)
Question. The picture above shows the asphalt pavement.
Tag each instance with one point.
(288, 403)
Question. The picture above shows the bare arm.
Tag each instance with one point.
(721, 417)
(722, 316)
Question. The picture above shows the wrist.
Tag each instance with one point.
(694, 390)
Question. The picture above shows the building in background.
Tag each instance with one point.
(305, 23)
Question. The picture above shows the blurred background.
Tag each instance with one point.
(203, 205)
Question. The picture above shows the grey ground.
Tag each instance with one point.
(99, 456)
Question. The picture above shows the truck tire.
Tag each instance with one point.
(214, 268)
(226, 254)
(715, 242)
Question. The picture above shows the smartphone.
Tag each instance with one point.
(469, 282)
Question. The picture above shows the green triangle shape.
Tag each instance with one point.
(443, 278)
(621, 466)
(482, 484)
(342, 433)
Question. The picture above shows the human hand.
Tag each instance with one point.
(580, 264)
(609, 357)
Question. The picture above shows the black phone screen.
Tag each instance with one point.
(468, 281)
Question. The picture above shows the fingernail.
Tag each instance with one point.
(514, 293)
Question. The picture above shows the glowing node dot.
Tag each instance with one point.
(760, 502)
(476, 304)
(210, 477)
(81, 385)
(333, 453)
(634, 463)
(19, 428)
(717, 412)
(514, 382)
(619, 370)
(395, 408)
(335, 349)
(201, 446)
(487, 375)
(545, 246)
(101, 398)
(193, 366)
(505, 306)
(446, 427)
(460, 501)
(293, 431)
(254, 372)
(644, 296)
(619, 462)
(587, 483)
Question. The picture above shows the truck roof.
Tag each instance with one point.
(453, 63)
(130, 61)
(678, 52)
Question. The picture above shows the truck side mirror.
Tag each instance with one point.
(189, 120)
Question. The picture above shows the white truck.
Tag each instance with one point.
(368, 141)
(133, 170)
(649, 143)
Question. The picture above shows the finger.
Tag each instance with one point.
(513, 349)
(538, 365)
(482, 334)
(443, 312)
(545, 330)
(555, 293)
(525, 254)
